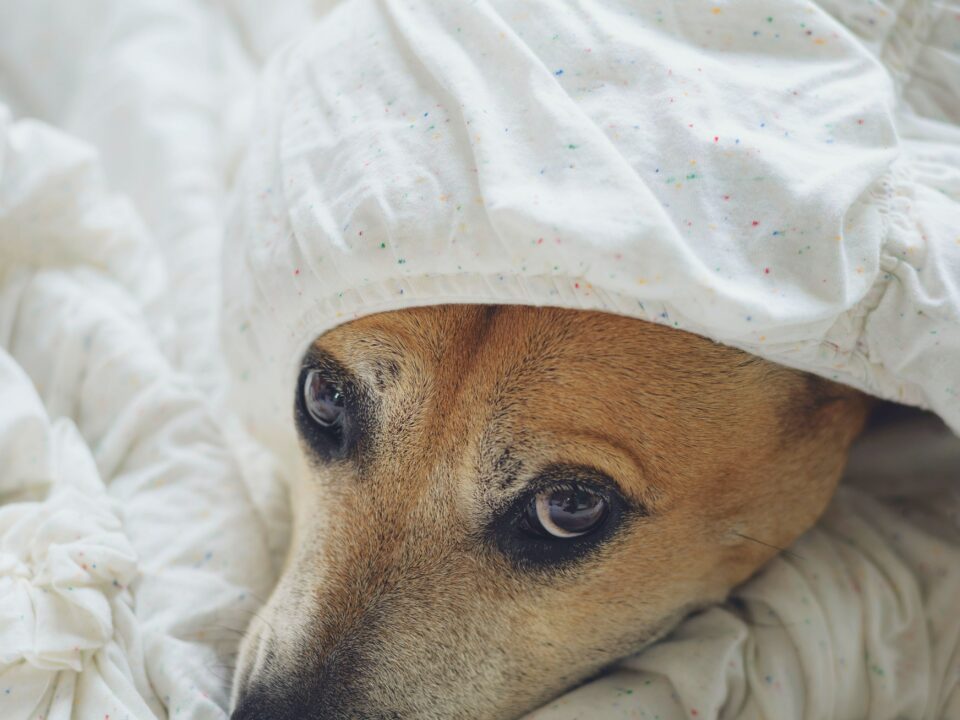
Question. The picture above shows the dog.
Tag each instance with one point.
(495, 502)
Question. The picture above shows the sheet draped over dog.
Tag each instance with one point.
(753, 172)
(779, 176)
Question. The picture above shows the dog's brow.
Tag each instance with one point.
(317, 357)
(506, 468)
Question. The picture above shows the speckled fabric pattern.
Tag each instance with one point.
(780, 176)
(131, 553)
(731, 169)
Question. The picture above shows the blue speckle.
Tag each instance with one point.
(559, 72)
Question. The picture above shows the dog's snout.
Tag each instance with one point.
(302, 703)
(324, 690)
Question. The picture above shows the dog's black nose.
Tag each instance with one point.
(326, 691)
(302, 702)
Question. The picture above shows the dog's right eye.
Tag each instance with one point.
(323, 399)
(323, 414)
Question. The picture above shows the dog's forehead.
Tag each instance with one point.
(494, 394)
(490, 395)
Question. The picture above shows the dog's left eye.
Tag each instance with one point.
(564, 512)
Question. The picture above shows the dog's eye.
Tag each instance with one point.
(564, 512)
(324, 400)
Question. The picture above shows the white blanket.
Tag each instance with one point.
(131, 555)
(139, 529)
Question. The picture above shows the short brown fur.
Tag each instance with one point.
(396, 604)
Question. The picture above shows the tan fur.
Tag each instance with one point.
(395, 604)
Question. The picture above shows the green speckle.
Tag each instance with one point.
(571, 146)
(383, 245)
(770, 19)
(401, 261)
(692, 176)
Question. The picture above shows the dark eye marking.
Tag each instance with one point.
(329, 408)
(386, 372)
(507, 468)
(566, 514)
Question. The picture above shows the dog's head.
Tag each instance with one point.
(495, 502)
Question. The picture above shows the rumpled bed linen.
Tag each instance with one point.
(140, 527)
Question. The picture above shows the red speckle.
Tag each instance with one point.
(860, 121)
(360, 233)
(716, 138)
(84, 566)
(766, 271)
(755, 223)
(690, 125)
(726, 197)
(577, 285)
(539, 241)
(297, 271)
(693, 712)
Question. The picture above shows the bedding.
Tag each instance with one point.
(142, 494)
(131, 553)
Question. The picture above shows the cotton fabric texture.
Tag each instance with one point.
(139, 527)
(753, 172)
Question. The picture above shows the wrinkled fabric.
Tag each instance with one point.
(734, 170)
(131, 553)
(412, 153)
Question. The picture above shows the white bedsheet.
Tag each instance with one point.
(139, 529)
(131, 554)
